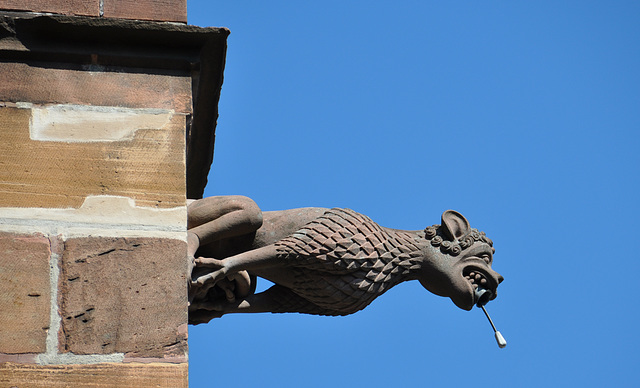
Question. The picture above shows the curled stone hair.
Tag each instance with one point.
(435, 236)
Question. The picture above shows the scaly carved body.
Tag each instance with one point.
(343, 260)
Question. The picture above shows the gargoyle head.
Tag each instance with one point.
(458, 261)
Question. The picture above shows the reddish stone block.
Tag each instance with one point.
(24, 293)
(99, 88)
(159, 10)
(27, 358)
(65, 7)
(125, 295)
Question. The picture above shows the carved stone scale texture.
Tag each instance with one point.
(358, 260)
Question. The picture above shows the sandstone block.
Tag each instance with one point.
(148, 167)
(97, 88)
(65, 7)
(124, 295)
(97, 375)
(22, 358)
(24, 293)
(159, 10)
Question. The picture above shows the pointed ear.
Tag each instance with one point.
(454, 225)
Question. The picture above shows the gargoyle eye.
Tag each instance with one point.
(486, 257)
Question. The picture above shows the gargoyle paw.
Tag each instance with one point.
(211, 278)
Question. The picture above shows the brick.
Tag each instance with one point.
(150, 167)
(93, 376)
(24, 293)
(158, 10)
(125, 295)
(57, 85)
(65, 7)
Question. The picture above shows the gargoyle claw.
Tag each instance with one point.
(208, 262)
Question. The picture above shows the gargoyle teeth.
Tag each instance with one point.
(476, 279)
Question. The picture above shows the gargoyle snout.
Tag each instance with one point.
(483, 295)
(497, 279)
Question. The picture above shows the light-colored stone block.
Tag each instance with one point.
(101, 215)
(85, 123)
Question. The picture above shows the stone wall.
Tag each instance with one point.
(158, 10)
(95, 118)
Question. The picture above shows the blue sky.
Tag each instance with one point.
(523, 116)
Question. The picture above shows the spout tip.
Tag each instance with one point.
(502, 343)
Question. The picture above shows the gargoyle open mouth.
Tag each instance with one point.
(479, 279)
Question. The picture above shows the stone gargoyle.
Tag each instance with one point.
(324, 261)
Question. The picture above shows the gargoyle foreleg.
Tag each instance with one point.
(246, 261)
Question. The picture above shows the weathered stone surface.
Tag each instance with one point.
(105, 215)
(96, 375)
(65, 7)
(24, 293)
(125, 295)
(149, 168)
(26, 358)
(59, 85)
(160, 10)
(87, 124)
(171, 51)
